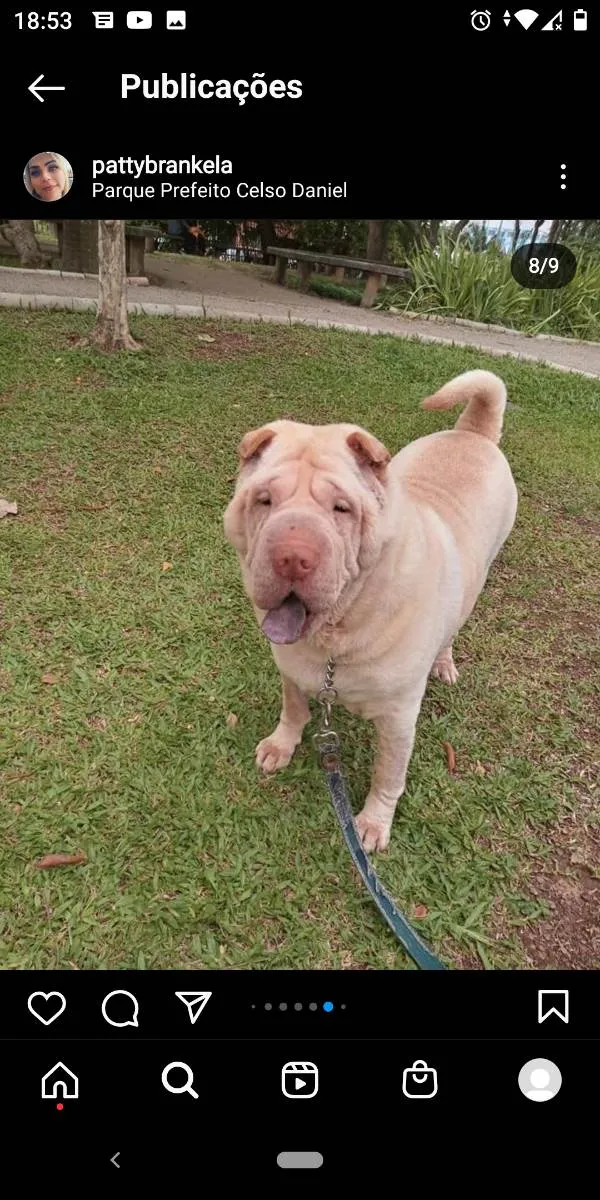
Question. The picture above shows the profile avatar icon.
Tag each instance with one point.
(540, 1079)
(48, 176)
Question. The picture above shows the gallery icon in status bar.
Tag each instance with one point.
(176, 18)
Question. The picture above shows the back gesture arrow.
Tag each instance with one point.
(114, 1160)
(35, 88)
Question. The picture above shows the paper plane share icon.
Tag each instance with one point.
(195, 1002)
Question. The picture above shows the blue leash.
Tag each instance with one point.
(327, 744)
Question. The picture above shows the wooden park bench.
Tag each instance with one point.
(377, 273)
(78, 246)
(139, 239)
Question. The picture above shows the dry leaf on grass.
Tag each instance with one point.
(450, 755)
(205, 337)
(421, 910)
(232, 720)
(61, 860)
(7, 508)
(167, 566)
(50, 678)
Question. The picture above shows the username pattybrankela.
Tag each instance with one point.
(139, 167)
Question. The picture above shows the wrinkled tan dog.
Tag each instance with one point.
(376, 561)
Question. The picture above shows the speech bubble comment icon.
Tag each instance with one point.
(124, 1007)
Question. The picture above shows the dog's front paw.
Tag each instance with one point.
(375, 835)
(274, 753)
(444, 669)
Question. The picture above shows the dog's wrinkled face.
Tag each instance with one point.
(306, 520)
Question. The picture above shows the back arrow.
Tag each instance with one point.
(35, 91)
(114, 1160)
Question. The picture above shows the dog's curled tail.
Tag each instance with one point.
(485, 397)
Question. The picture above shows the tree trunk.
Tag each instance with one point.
(79, 246)
(458, 228)
(21, 235)
(266, 230)
(536, 230)
(433, 234)
(111, 331)
(555, 229)
(377, 237)
(516, 235)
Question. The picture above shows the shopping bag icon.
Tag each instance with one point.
(419, 1082)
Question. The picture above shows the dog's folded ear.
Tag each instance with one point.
(254, 442)
(368, 451)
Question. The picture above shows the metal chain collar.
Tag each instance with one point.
(327, 741)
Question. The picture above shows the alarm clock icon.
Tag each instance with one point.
(481, 19)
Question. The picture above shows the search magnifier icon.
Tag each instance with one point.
(186, 1087)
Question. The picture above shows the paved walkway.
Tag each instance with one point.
(212, 289)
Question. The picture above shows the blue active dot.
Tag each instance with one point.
(328, 1006)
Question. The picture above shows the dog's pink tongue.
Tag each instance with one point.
(284, 624)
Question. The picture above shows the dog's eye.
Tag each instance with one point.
(263, 499)
(340, 507)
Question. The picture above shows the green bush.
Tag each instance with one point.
(454, 280)
(323, 285)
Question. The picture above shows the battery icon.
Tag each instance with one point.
(580, 18)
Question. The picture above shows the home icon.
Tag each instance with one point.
(60, 1083)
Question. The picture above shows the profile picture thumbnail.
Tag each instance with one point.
(48, 176)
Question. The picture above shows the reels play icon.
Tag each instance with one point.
(300, 1080)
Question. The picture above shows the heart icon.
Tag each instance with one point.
(46, 1007)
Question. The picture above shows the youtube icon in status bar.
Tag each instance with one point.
(139, 18)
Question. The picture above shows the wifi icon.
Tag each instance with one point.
(526, 17)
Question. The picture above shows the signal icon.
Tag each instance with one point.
(554, 24)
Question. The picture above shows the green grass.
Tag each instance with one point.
(120, 464)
